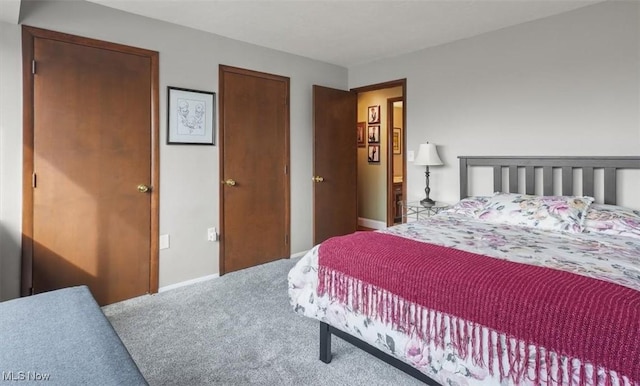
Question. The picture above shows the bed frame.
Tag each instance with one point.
(567, 164)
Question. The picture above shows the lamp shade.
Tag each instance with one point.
(427, 155)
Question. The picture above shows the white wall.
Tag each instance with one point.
(10, 160)
(563, 85)
(189, 197)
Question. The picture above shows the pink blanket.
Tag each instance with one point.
(385, 277)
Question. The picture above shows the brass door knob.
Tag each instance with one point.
(142, 188)
(229, 182)
(317, 179)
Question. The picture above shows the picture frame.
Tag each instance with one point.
(190, 117)
(373, 114)
(397, 140)
(373, 154)
(360, 130)
(373, 134)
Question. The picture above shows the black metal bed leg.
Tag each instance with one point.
(325, 343)
(326, 332)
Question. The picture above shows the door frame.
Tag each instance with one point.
(402, 83)
(222, 69)
(391, 204)
(29, 34)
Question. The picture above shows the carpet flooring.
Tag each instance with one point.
(238, 329)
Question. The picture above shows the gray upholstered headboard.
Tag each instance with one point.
(587, 165)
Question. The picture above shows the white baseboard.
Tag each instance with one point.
(299, 254)
(188, 282)
(209, 277)
(373, 224)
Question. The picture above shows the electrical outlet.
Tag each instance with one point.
(164, 242)
(212, 235)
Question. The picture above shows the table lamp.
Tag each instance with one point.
(427, 156)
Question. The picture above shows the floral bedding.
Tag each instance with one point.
(613, 220)
(561, 213)
(606, 257)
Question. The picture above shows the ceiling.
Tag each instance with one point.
(345, 33)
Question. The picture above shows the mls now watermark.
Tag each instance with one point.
(25, 376)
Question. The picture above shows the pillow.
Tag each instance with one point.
(612, 220)
(468, 206)
(559, 213)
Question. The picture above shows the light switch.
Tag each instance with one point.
(164, 242)
(410, 156)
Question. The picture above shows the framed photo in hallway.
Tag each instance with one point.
(191, 116)
(397, 140)
(374, 114)
(361, 127)
(373, 135)
(374, 154)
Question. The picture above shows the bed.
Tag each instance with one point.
(491, 291)
(62, 338)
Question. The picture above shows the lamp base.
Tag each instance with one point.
(427, 202)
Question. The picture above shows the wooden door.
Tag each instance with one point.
(254, 164)
(335, 209)
(91, 222)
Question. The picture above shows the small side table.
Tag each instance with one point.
(414, 210)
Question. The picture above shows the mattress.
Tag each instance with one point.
(615, 259)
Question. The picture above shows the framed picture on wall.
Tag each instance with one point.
(373, 134)
(373, 114)
(374, 153)
(361, 127)
(191, 117)
(397, 140)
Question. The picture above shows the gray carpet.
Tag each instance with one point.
(235, 330)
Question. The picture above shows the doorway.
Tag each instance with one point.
(377, 194)
(90, 170)
(254, 168)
